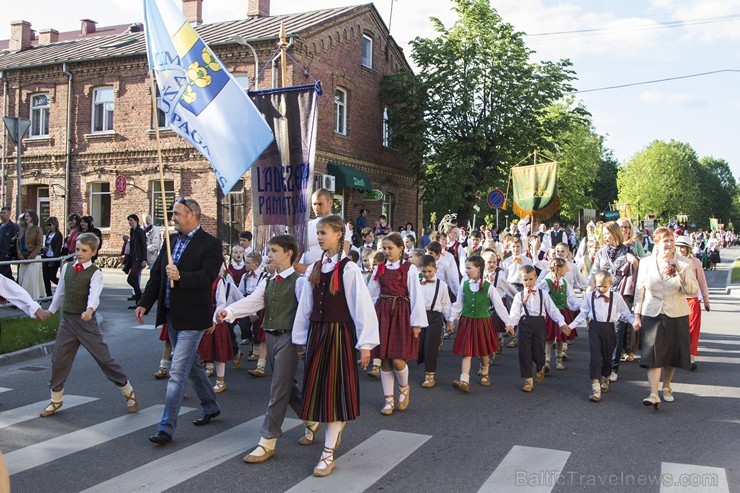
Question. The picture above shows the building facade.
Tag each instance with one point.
(89, 99)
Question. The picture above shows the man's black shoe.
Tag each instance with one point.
(131, 298)
(160, 438)
(206, 418)
(133, 307)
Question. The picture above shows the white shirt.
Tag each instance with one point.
(493, 296)
(533, 306)
(443, 303)
(416, 297)
(361, 307)
(504, 287)
(447, 271)
(256, 301)
(248, 282)
(512, 268)
(226, 294)
(573, 302)
(18, 296)
(96, 287)
(620, 310)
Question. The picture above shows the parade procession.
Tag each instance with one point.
(267, 228)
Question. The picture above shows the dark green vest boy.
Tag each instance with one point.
(77, 288)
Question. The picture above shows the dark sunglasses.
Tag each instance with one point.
(184, 202)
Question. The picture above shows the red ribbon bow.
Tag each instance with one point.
(380, 271)
(605, 298)
(79, 268)
(278, 278)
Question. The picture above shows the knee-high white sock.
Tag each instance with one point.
(465, 367)
(376, 362)
(560, 349)
(333, 430)
(386, 380)
(220, 369)
(402, 376)
(548, 350)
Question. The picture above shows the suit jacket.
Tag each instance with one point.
(191, 300)
(656, 294)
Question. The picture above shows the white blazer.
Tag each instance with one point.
(656, 294)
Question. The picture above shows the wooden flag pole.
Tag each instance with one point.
(161, 173)
(283, 54)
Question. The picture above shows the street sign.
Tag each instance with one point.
(373, 196)
(121, 183)
(611, 215)
(17, 127)
(495, 199)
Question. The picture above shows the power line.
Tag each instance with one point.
(655, 81)
(668, 25)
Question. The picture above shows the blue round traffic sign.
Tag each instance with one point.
(495, 199)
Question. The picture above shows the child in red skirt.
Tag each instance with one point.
(335, 316)
(399, 303)
(561, 293)
(476, 335)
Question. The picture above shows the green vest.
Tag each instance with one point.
(77, 288)
(560, 297)
(475, 305)
(280, 303)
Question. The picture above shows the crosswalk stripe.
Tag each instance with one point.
(687, 478)
(4, 389)
(144, 327)
(62, 446)
(186, 463)
(530, 469)
(365, 464)
(31, 411)
(705, 390)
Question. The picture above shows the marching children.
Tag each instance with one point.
(476, 336)
(378, 258)
(78, 295)
(497, 277)
(602, 307)
(335, 316)
(475, 247)
(512, 266)
(279, 298)
(561, 293)
(415, 257)
(535, 305)
(245, 240)
(247, 285)
(437, 304)
(399, 303)
(256, 319)
(446, 269)
(234, 273)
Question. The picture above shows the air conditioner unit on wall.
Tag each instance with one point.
(326, 181)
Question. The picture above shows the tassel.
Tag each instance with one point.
(335, 278)
(380, 271)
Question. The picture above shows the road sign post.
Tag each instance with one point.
(17, 128)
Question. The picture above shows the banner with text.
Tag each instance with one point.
(535, 190)
(282, 177)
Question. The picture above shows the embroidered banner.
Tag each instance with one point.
(535, 190)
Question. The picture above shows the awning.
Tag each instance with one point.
(349, 178)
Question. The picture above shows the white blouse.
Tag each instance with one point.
(416, 296)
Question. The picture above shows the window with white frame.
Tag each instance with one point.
(340, 111)
(40, 115)
(337, 204)
(102, 109)
(243, 80)
(156, 203)
(387, 207)
(367, 51)
(100, 204)
(386, 129)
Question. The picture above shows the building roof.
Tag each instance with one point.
(131, 42)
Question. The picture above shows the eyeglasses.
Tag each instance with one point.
(184, 202)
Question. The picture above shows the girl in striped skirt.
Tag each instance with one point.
(399, 303)
(335, 316)
(476, 335)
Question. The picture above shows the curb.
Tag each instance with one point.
(38, 350)
(732, 289)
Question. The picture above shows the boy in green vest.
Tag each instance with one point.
(279, 297)
(78, 295)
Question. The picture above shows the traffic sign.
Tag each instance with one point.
(495, 199)
(121, 183)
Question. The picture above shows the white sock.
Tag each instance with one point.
(261, 363)
(465, 377)
(56, 396)
(333, 430)
(402, 376)
(268, 443)
(220, 369)
(376, 362)
(165, 363)
(595, 386)
(386, 380)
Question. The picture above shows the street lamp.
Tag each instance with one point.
(241, 41)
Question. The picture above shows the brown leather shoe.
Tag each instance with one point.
(258, 459)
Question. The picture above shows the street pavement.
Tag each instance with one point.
(491, 439)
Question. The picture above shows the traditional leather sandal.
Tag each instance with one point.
(51, 408)
(527, 387)
(404, 391)
(161, 373)
(132, 403)
(257, 372)
(389, 406)
(461, 386)
(238, 360)
(429, 381)
(219, 387)
(320, 472)
(309, 435)
(257, 459)
(485, 380)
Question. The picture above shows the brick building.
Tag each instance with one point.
(88, 96)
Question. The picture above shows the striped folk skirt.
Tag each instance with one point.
(217, 346)
(331, 390)
(475, 337)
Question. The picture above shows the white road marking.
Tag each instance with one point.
(32, 411)
(688, 478)
(530, 469)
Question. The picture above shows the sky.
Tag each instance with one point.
(618, 42)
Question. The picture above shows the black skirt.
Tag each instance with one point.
(665, 342)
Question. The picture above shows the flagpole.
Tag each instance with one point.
(161, 173)
(283, 53)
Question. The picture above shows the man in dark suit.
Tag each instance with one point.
(187, 309)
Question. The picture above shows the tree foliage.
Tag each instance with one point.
(476, 106)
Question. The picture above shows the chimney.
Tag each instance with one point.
(20, 35)
(258, 8)
(88, 26)
(47, 36)
(193, 11)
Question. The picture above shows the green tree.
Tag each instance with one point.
(662, 179)
(475, 108)
(718, 187)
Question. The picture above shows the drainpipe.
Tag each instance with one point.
(68, 136)
(5, 136)
(275, 60)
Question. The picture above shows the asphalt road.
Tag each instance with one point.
(491, 439)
